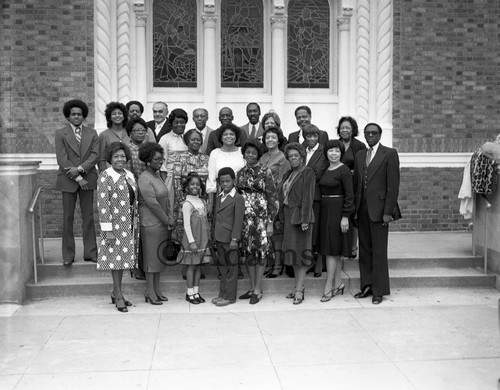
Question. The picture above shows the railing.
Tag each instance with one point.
(31, 210)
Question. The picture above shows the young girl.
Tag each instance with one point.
(195, 237)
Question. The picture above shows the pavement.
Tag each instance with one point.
(419, 338)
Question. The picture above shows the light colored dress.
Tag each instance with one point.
(220, 159)
(196, 229)
(117, 215)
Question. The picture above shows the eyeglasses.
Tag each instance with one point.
(139, 131)
(372, 133)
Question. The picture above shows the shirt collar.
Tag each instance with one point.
(230, 193)
(374, 148)
(313, 149)
(74, 127)
(115, 175)
(160, 124)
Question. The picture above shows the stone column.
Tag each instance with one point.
(210, 75)
(18, 183)
(141, 18)
(344, 23)
(278, 75)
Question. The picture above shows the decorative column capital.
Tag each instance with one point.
(209, 20)
(278, 21)
(344, 21)
(141, 16)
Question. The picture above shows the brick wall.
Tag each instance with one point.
(446, 74)
(428, 200)
(46, 58)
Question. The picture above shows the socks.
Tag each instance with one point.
(195, 289)
(190, 291)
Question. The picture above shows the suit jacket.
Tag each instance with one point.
(229, 217)
(318, 163)
(214, 143)
(70, 155)
(164, 130)
(300, 196)
(382, 183)
(294, 137)
(248, 129)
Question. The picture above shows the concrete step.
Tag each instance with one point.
(172, 284)
(87, 269)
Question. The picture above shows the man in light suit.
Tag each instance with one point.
(253, 129)
(200, 118)
(376, 188)
(77, 152)
(159, 124)
(303, 117)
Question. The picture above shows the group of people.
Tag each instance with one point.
(243, 195)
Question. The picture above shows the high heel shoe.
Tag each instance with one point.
(297, 300)
(327, 296)
(290, 295)
(151, 300)
(338, 289)
(121, 306)
(113, 299)
(276, 272)
(162, 297)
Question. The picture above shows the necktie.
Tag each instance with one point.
(78, 135)
(252, 134)
(369, 156)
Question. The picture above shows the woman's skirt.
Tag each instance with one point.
(297, 244)
(152, 238)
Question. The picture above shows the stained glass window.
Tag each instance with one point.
(174, 43)
(242, 37)
(308, 44)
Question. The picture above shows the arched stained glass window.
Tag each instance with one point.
(308, 44)
(174, 43)
(242, 37)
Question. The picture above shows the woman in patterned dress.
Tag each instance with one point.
(117, 207)
(275, 160)
(256, 184)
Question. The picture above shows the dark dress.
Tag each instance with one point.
(354, 147)
(337, 201)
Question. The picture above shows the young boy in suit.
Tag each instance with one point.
(228, 216)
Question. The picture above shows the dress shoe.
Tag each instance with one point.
(192, 299)
(318, 274)
(247, 295)
(139, 275)
(68, 262)
(151, 300)
(217, 299)
(91, 260)
(162, 297)
(299, 297)
(224, 302)
(113, 299)
(199, 298)
(121, 306)
(255, 298)
(366, 292)
(376, 300)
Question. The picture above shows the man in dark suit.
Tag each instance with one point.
(200, 118)
(77, 152)
(225, 117)
(253, 129)
(376, 187)
(303, 116)
(159, 124)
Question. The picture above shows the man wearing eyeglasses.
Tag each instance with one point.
(376, 188)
